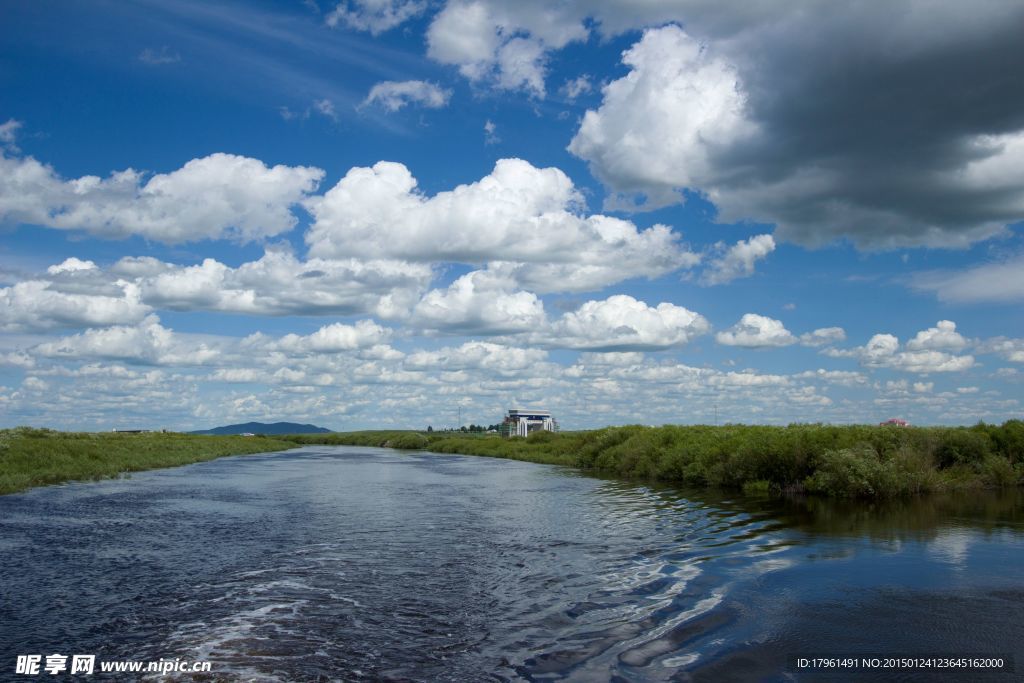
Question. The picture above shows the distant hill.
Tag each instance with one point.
(263, 428)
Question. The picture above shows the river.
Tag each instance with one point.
(346, 563)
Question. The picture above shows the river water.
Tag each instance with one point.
(345, 563)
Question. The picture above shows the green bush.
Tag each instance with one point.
(847, 461)
(998, 472)
(963, 447)
(408, 442)
(853, 473)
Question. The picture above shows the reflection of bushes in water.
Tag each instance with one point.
(838, 461)
(918, 518)
(883, 520)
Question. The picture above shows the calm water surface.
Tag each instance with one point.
(343, 563)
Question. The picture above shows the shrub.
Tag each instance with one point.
(998, 471)
(541, 436)
(963, 447)
(853, 473)
(409, 442)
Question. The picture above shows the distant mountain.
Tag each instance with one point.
(262, 428)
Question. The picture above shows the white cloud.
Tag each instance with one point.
(574, 87)
(34, 384)
(756, 331)
(1010, 349)
(679, 105)
(147, 343)
(17, 359)
(477, 355)
(883, 351)
(823, 336)
(9, 134)
(942, 337)
(218, 196)
(35, 305)
(335, 338)
(521, 66)
(621, 323)
(1000, 282)
(844, 378)
(480, 302)
(516, 213)
(71, 265)
(326, 108)
(506, 43)
(491, 133)
(747, 378)
(280, 284)
(738, 260)
(374, 16)
(393, 95)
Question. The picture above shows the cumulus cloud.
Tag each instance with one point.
(393, 95)
(823, 336)
(921, 354)
(38, 305)
(812, 120)
(679, 105)
(738, 260)
(621, 323)
(148, 343)
(280, 284)
(845, 378)
(79, 293)
(71, 265)
(1010, 349)
(942, 337)
(374, 16)
(477, 355)
(517, 213)
(335, 338)
(480, 302)
(505, 44)
(217, 196)
(756, 331)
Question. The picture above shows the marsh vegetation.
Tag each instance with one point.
(37, 457)
(838, 461)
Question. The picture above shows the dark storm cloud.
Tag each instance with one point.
(890, 124)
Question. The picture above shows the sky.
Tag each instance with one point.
(390, 213)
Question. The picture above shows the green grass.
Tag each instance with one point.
(37, 457)
(856, 461)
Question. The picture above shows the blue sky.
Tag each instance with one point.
(371, 213)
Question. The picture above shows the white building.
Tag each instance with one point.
(524, 422)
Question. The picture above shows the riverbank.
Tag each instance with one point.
(38, 457)
(855, 461)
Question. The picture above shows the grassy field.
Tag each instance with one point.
(838, 461)
(37, 457)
